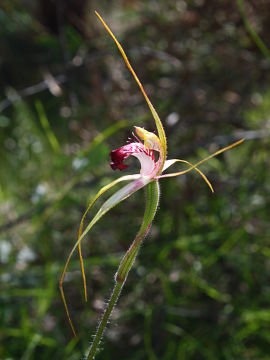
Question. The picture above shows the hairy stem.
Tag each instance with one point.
(102, 325)
(152, 198)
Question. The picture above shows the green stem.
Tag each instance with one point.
(152, 198)
(102, 325)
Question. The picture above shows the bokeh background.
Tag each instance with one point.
(200, 286)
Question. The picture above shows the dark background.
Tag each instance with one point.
(200, 286)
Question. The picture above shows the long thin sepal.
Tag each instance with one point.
(193, 167)
(115, 199)
(91, 204)
(161, 132)
(168, 163)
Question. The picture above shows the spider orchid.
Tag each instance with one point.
(151, 150)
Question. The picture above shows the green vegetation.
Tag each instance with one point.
(200, 285)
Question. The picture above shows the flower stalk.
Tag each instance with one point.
(151, 204)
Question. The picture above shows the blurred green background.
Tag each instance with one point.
(200, 286)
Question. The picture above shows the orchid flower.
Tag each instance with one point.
(151, 151)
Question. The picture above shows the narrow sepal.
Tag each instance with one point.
(160, 129)
(135, 177)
